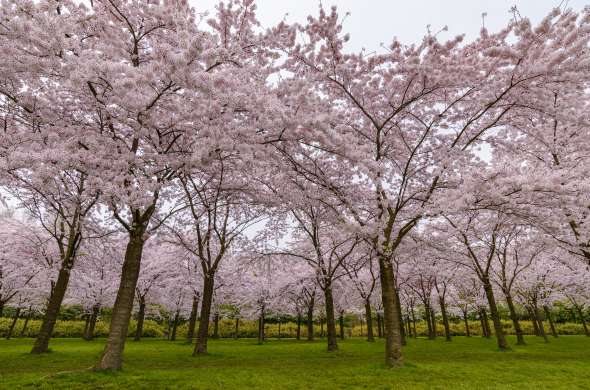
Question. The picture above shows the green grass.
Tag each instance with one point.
(465, 363)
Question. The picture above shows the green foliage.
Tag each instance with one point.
(464, 363)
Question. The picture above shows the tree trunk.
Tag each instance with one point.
(433, 319)
(1, 308)
(193, 319)
(26, 324)
(514, 318)
(261, 327)
(89, 333)
(298, 335)
(369, 317)
(55, 299)
(175, 326)
(445, 318)
(550, 319)
(428, 319)
(203, 332)
(216, 326)
(140, 319)
(391, 321)
(540, 321)
(279, 329)
(112, 356)
(486, 323)
(13, 324)
(502, 343)
(398, 309)
(330, 319)
(581, 313)
(310, 321)
(379, 330)
(413, 322)
(86, 325)
(533, 317)
(467, 331)
(341, 322)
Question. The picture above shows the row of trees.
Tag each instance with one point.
(227, 162)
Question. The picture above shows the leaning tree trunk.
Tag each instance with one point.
(89, 334)
(550, 319)
(13, 324)
(298, 334)
(203, 332)
(175, 326)
(55, 299)
(445, 318)
(112, 356)
(502, 343)
(391, 320)
(467, 331)
(192, 319)
(310, 321)
(330, 319)
(369, 317)
(26, 324)
(514, 318)
(140, 319)
(540, 321)
(341, 322)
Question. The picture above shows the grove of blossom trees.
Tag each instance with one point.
(154, 157)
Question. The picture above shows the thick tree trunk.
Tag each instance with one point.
(55, 299)
(13, 324)
(175, 326)
(140, 319)
(445, 318)
(193, 319)
(369, 317)
(514, 318)
(112, 356)
(391, 320)
(467, 331)
(298, 335)
(237, 334)
(310, 321)
(216, 326)
(502, 343)
(550, 319)
(330, 319)
(341, 322)
(89, 333)
(203, 331)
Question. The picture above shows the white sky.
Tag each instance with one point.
(374, 21)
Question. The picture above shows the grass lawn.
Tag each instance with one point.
(465, 363)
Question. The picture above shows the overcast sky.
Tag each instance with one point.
(374, 21)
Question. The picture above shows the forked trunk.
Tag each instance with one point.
(391, 320)
(540, 322)
(26, 324)
(89, 334)
(445, 318)
(203, 332)
(112, 356)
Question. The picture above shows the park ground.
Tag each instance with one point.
(464, 363)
